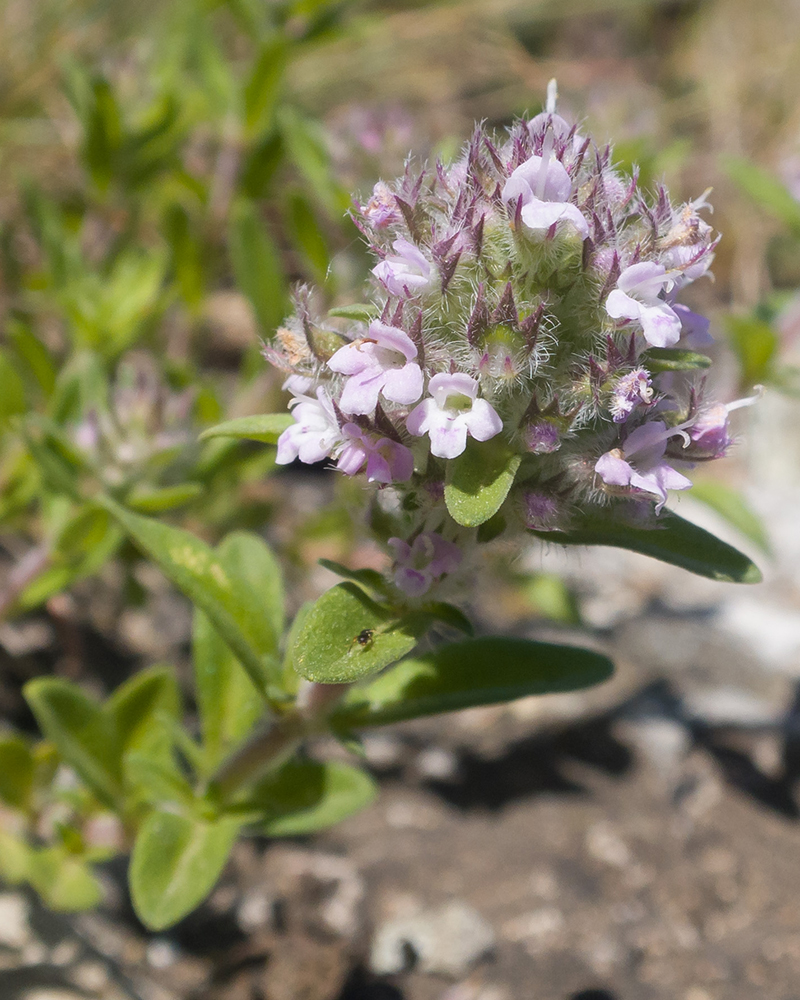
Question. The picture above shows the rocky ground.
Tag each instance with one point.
(635, 842)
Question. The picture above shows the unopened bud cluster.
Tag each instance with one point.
(525, 295)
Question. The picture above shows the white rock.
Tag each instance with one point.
(729, 706)
(447, 941)
(15, 931)
(772, 632)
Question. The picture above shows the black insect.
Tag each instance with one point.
(364, 638)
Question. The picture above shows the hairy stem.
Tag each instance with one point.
(278, 741)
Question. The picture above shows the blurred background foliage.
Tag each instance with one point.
(171, 168)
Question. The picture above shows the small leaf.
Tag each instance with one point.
(361, 312)
(138, 707)
(154, 501)
(731, 504)
(304, 796)
(478, 481)
(63, 880)
(482, 671)
(253, 561)
(262, 89)
(346, 635)
(157, 782)
(175, 863)
(85, 736)
(756, 346)
(257, 265)
(765, 189)
(267, 427)
(15, 859)
(673, 540)
(16, 771)
(370, 579)
(673, 359)
(203, 576)
(227, 701)
(450, 615)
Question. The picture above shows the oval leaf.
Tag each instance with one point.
(175, 863)
(346, 635)
(478, 481)
(211, 584)
(673, 359)
(266, 427)
(481, 671)
(673, 540)
(304, 796)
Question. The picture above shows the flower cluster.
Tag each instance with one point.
(524, 297)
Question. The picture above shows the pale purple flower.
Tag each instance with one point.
(387, 461)
(381, 209)
(544, 186)
(640, 462)
(638, 297)
(631, 390)
(426, 560)
(379, 363)
(541, 511)
(405, 272)
(542, 437)
(314, 433)
(709, 433)
(694, 327)
(450, 412)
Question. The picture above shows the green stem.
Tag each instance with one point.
(283, 735)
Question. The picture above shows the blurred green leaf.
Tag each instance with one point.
(756, 346)
(187, 256)
(256, 265)
(266, 427)
(212, 585)
(15, 858)
(361, 312)
(346, 635)
(552, 598)
(155, 501)
(63, 880)
(304, 796)
(175, 863)
(263, 87)
(12, 399)
(672, 359)
(249, 556)
(673, 540)
(16, 771)
(85, 736)
(765, 190)
(370, 579)
(474, 672)
(731, 504)
(306, 149)
(307, 236)
(478, 481)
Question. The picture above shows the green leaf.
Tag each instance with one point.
(731, 504)
(478, 481)
(200, 573)
(227, 701)
(12, 399)
(155, 501)
(370, 579)
(673, 359)
(307, 235)
(16, 771)
(253, 561)
(156, 782)
(346, 635)
(262, 90)
(673, 540)
(450, 615)
(305, 147)
(756, 346)
(481, 671)
(361, 312)
(765, 190)
(85, 736)
(304, 796)
(137, 708)
(15, 859)
(257, 265)
(266, 427)
(63, 880)
(175, 863)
